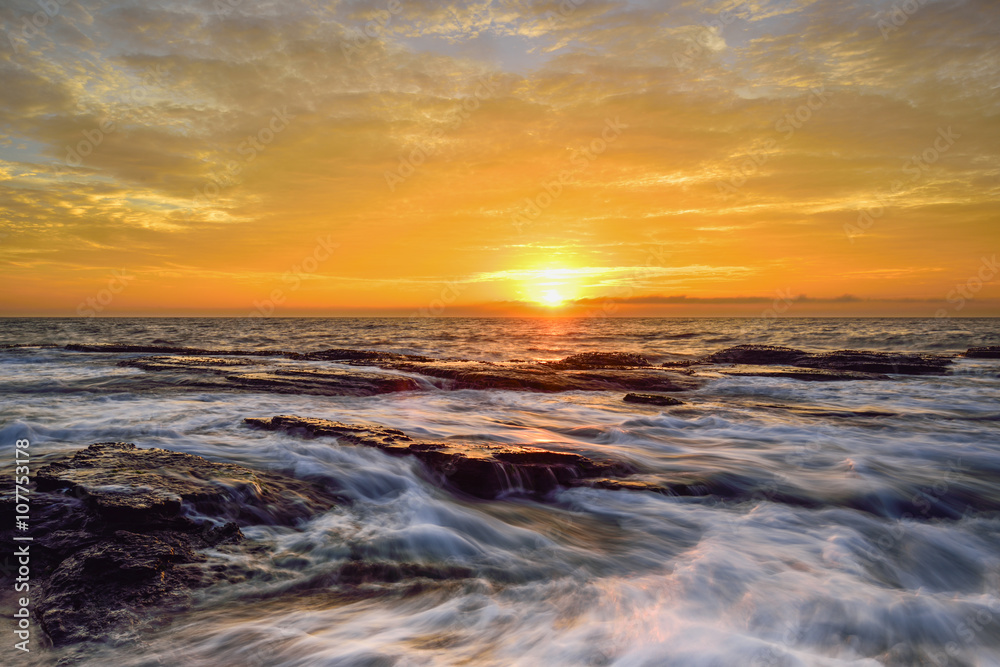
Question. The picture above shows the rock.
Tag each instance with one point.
(652, 399)
(590, 360)
(477, 469)
(543, 377)
(990, 352)
(116, 348)
(326, 382)
(217, 373)
(878, 362)
(183, 363)
(108, 590)
(757, 354)
(233, 369)
(119, 533)
(843, 360)
(321, 355)
(123, 484)
(813, 375)
(373, 356)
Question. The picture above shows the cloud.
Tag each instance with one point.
(167, 101)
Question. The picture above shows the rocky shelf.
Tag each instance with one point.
(478, 469)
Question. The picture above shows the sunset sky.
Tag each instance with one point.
(226, 157)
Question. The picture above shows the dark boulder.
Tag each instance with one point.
(652, 399)
(757, 355)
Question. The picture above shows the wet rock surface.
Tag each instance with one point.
(547, 378)
(591, 360)
(326, 382)
(807, 374)
(478, 469)
(586, 372)
(989, 352)
(862, 361)
(120, 533)
(652, 399)
(222, 373)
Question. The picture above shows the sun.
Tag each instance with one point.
(552, 298)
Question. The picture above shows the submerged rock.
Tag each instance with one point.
(478, 469)
(119, 533)
(652, 399)
(863, 361)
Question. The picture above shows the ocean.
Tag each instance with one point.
(862, 526)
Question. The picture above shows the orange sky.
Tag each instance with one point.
(505, 157)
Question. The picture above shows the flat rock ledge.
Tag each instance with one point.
(807, 374)
(120, 534)
(860, 361)
(271, 371)
(989, 352)
(478, 469)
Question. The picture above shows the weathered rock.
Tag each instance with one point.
(184, 362)
(123, 484)
(989, 352)
(757, 354)
(119, 533)
(542, 377)
(111, 588)
(320, 355)
(842, 360)
(475, 468)
(218, 373)
(190, 367)
(326, 382)
(593, 360)
(652, 399)
(169, 349)
(371, 356)
(813, 375)
(878, 362)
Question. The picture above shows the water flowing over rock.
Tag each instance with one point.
(478, 469)
(222, 373)
(119, 533)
